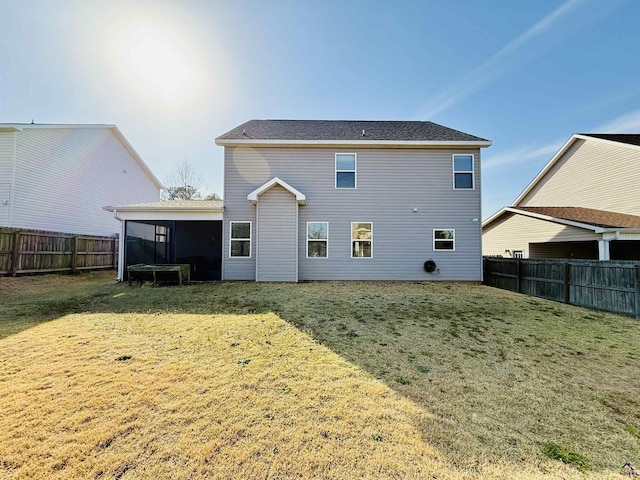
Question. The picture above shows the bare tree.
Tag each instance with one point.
(184, 184)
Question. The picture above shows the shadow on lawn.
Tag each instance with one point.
(456, 350)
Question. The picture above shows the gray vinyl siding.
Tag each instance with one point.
(276, 236)
(591, 174)
(64, 176)
(391, 183)
(6, 173)
(515, 232)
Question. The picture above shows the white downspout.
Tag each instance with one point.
(120, 246)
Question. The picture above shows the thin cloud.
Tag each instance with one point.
(520, 154)
(627, 123)
(499, 63)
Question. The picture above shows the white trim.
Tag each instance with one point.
(453, 240)
(357, 239)
(355, 171)
(354, 143)
(241, 239)
(12, 186)
(306, 239)
(296, 240)
(253, 196)
(472, 171)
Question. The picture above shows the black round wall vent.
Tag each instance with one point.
(430, 266)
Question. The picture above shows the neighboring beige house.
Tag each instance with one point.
(585, 203)
(58, 177)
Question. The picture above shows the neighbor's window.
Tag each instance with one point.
(463, 172)
(444, 240)
(240, 245)
(317, 239)
(361, 240)
(345, 170)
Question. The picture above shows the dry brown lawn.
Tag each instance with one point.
(312, 380)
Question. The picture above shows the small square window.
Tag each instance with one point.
(346, 170)
(463, 172)
(444, 240)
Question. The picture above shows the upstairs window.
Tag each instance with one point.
(361, 240)
(317, 239)
(345, 170)
(444, 239)
(463, 172)
(240, 239)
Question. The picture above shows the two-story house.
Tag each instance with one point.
(585, 203)
(351, 200)
(58, 177)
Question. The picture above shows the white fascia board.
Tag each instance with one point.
(253, 196)
(353, 143)
(177, 215)
(561, 221)
(545, 169)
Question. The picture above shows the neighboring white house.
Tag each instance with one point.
(58, 177)
(585, 203)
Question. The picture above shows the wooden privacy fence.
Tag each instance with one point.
(42, 252)
(613, 286)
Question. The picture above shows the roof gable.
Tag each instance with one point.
(17, 127)
(346, 131)
(300, 197)
(556, 158)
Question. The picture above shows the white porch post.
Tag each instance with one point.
(603, 250)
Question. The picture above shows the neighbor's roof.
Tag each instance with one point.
(347, 131)
(16, 127)
(215, 205)
(628, 138)
(599, 218)
(588, 218)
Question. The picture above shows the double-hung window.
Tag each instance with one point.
(240, 239)
(361, 239)
(444, 239)
(346, 170)
(317, 239)
(463, 172)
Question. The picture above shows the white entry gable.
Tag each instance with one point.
(253, 196)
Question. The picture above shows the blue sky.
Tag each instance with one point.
(175, 75)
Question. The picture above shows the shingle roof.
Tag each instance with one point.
(598, 218)
(346, 130)
(630, 138)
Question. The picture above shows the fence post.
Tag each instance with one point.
(637, 282)
(15, 254)
(567, 280)
(74, 256)
(519, 276)
(114, 253)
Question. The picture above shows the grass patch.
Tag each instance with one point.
(309, 380)
(559, 452)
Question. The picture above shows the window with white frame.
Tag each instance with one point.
(317, 239)
(240, 239)
(361, 239)
(463, 172)
(346, 170)
(444, 239)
